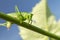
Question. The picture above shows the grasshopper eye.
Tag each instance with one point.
(32, 14)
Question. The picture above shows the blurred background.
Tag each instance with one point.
(7, 6)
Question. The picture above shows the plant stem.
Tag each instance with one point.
(28, 26)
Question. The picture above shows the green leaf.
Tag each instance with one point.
(2, 24)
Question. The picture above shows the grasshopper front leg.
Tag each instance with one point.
(30, 18)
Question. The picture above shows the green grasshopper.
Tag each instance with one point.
(22, 16)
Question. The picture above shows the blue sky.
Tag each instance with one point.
(54, 6)
(7, 6)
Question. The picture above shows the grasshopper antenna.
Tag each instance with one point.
(17, 11)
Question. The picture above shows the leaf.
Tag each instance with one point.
(8, 24)
(2, 24)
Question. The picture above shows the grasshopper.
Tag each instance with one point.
(22, 16)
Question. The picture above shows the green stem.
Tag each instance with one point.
(28, 26)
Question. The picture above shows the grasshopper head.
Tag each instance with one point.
(31, 14)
